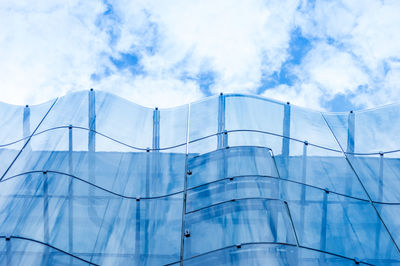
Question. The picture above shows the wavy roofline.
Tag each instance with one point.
(207, 98)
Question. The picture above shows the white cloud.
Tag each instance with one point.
(50, 47)
(365, 42)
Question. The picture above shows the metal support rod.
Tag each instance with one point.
(380, 199)
(9, 253)
(92, 121)
(26, 125)
(286, 131)
(156, 129)
(70, 191)
(364, 188)
(137, 233)
(222, 140)
(303, 188)
(185, 176)
(350, 132)
(92, 138)
(45, 217)
(323, 223)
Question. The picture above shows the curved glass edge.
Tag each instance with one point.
(303, 163)
(251, 220)
(271, 254)
(16, 250)
(112, 166)
(234, 161)
(321, 219)
(210, 116)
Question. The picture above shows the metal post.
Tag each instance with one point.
(26, 126)
(70, 191)
(323, 223)
(222, 139)
(137, 233)
(45, 217)
(92, 121)
(303, 188)
(286, 131)
(156, 129)
(8, 251)
(92, 139)
(350, 132)
(380, 199)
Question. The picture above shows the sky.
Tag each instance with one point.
(326, 55)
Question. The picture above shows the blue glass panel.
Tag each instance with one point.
(311, 126)
(374, 130)
(236, 222)
(338, 224)
(235, 161)
(319, 167)
(203, 119)
(271, 254)
(232, 188)
(112, 166)
(46, 208)
(28, 252)
(380, 175)
(391, 215)
(251, 113)
(17, 124)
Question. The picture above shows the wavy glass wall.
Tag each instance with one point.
(91, 178)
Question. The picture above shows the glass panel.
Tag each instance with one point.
(27, 252)
(319, 167)
(110, 115)
(310, 125)
(17, 123)
(374, 130)
(271, 254)
(235, 161)
(237, 222)
(380, 175)
(391, 215)
(49, 208)
(338, 224)
(112, 166)
(251, 113)
(203, 118)
(234, 188)
(173, 126)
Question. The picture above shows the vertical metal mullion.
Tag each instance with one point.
(286, 131)
(323, 224)
(45, 216)
(26, 125)
(185, 187)
(380, 199)
(92, 139)
(350, 132)
(303, 188)
(70, 191)
(156, 129)
(137, 233)
(222, 138)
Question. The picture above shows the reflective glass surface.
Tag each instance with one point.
(91, 178)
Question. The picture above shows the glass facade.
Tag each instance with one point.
(91, 178)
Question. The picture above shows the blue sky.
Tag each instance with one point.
(326, 55)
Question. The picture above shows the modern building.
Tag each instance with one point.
(91, 178)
